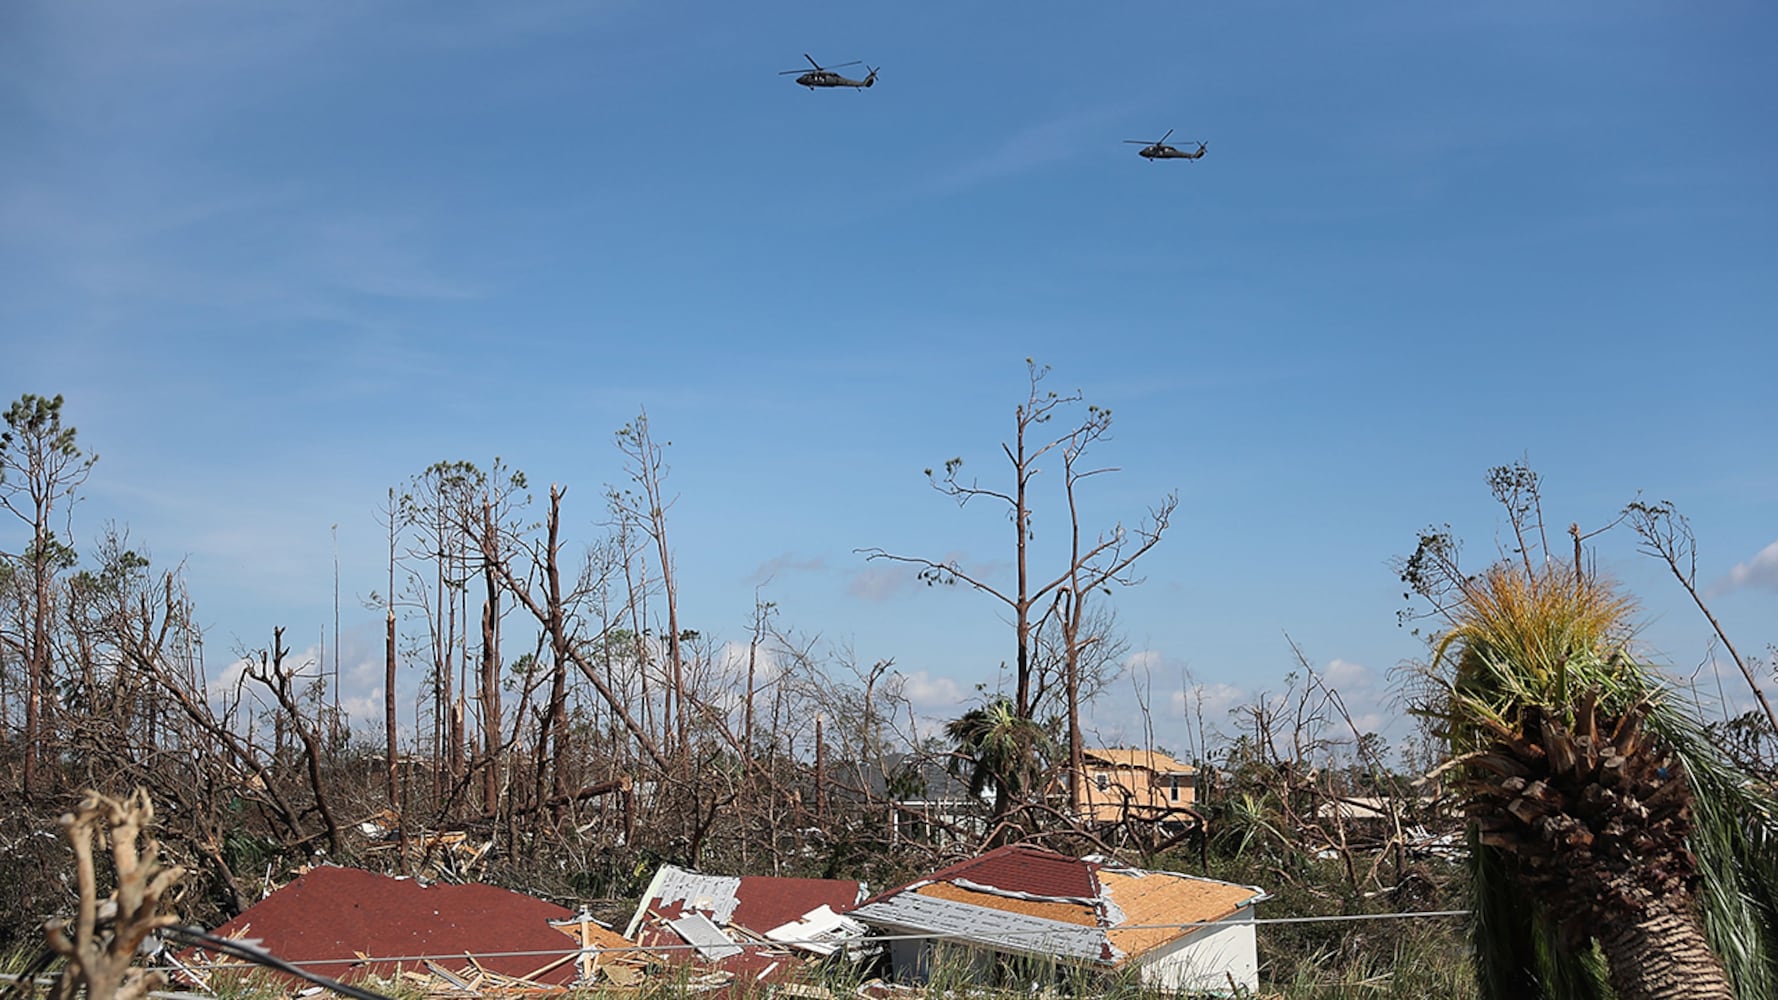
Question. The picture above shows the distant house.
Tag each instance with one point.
(1373, 811)
(746, 924)
(926, 802)
(1024, 906)
(1137, 784)
(1367, 810)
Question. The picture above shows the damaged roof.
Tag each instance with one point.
(715, 913)
(1019, 868)
(340, 922)
(1026, 899)
(1152, 760)
(757, 903)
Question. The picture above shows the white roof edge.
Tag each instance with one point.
(648, 896)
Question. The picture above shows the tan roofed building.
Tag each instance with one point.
(1144, 785)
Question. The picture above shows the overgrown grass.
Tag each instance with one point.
(248, 984)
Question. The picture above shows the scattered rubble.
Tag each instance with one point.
(727, 933)
(753, 926)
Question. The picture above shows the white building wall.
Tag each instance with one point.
(1207, 959)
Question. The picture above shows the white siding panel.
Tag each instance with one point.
(1205, 960)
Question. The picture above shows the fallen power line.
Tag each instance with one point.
(868, 939)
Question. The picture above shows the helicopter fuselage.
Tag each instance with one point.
(1160, 152)
(824, 78)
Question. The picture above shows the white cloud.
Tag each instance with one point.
(1341, 674)
(1213, 700)
(222, 685)
(301, 664)
(924, 691)
(732, 658)
(1759, 572)
(1143, 661)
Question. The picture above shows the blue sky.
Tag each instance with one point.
(280, 257)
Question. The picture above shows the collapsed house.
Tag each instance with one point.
(346, 924)
(1176, 932)
(754, 926)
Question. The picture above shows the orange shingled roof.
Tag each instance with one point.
(1069, 913)
(1152, 898)
(1153, 760)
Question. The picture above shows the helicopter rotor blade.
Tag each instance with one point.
(855, 62)
(1139, 142)
(1165, 137)
(811, 60)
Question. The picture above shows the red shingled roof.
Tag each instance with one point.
(1020, 868)
(767, 902)
(335, 913)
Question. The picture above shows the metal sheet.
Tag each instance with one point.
(709, 939)
(994, 928)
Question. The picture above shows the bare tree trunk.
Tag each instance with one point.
(1663, 956)
(820, 767)
(272, 674)
(1667, 534)
(457, 662)
(1022, 600)
(388, 678)
(1098, 565)
(578, 658)
(444, 624)
(490, 665)
(38, 660)
(389, 706)
(556, 722)
(649, 472)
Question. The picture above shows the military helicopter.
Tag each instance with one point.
(1159, 150)
(822, 76)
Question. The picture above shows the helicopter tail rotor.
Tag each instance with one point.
(871, 80)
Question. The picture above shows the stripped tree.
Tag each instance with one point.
(41, 468)
(1093, 565)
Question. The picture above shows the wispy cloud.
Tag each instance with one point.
(788, 562)
(1029, 148)
(1025, 149)
(882, 581)
(886, 579)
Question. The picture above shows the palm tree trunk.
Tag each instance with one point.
(1663, 956)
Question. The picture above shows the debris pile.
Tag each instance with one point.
(750, 928)
(706, 933)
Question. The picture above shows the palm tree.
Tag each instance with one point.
(1610, 842)
(1004, 750)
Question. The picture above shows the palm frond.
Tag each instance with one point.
(1735, 839)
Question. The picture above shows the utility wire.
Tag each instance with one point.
(822, 943)
(259, 956)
